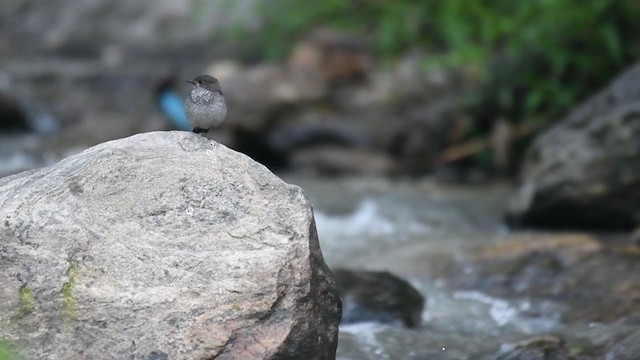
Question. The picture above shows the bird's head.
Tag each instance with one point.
(206, 82)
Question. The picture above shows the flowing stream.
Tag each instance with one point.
(404, 226)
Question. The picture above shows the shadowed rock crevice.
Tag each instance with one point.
(311, 325)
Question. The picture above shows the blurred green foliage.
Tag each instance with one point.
(534, 56)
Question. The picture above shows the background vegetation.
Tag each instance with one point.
(535, 58)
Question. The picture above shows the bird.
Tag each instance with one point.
(205, 106)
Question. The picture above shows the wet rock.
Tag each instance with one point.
(594, 282)
(530, 266)
(635, 237)
(627, 349)
(12, 117)
(378, 297)
(545, 347)
(585, 171)
(162, 245)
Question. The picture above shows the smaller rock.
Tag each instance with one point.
(595, 281)
(12, 116)
(584, 172)
(635, 237)
(372, 296)
(544, 347)
(627, 349)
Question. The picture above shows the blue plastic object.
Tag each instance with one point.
(173, 107)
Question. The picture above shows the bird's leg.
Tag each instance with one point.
(199, 130)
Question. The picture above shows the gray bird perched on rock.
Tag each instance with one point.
(205, 105)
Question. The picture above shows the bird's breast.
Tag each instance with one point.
(202, 96)
(205, 108)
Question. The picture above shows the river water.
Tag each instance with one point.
(407, 227)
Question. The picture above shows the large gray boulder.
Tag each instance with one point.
(585, 171)
(162, 245)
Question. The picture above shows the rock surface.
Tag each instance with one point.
(544, 347)
(595, 280)
(166, 246)
(109, 27)
(585, 172)
(375, 296)
(627, 349)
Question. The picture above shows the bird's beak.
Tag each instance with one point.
(191, 82)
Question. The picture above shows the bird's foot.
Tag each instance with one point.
(199, 130)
